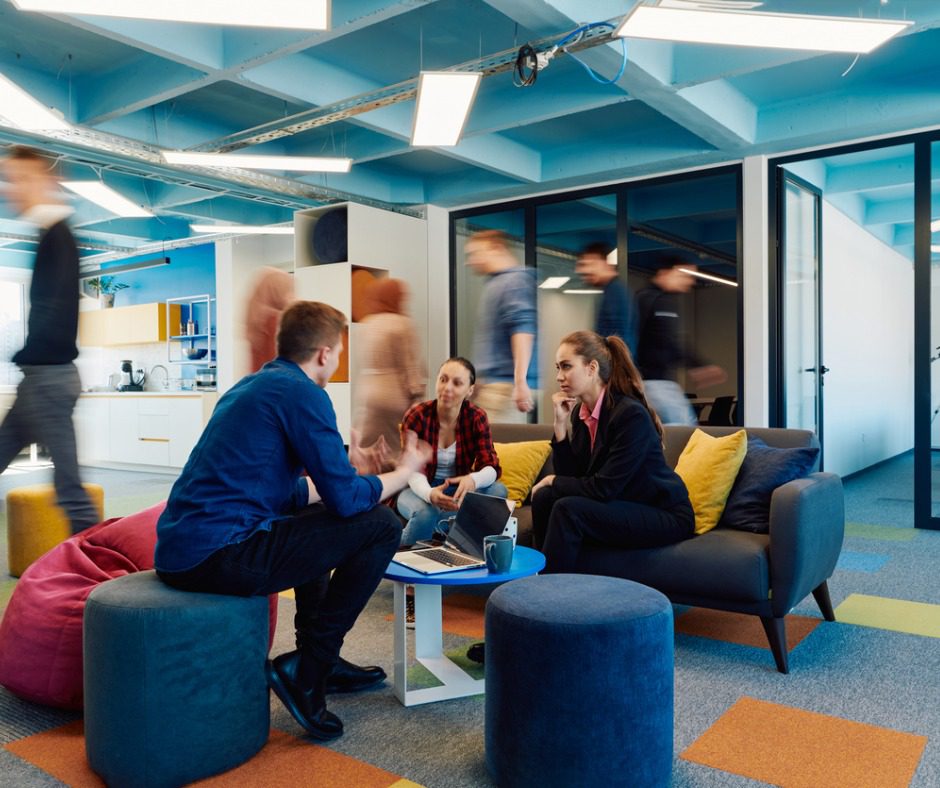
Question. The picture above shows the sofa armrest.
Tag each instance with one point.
(807, 525)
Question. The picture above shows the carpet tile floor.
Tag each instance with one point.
(857, 709)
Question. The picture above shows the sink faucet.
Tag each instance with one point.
(166, 374)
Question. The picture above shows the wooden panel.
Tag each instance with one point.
(126, 325)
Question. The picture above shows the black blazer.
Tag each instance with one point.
(627, 462)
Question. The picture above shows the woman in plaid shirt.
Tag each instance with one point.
(463, 459)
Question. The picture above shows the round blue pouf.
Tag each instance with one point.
(579, 683)
(174, 682)
(331, 236)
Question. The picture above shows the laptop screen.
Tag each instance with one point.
(478, 516)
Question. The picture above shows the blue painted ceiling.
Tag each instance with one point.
(132, 88)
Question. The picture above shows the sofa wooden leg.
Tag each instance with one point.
(821, 595)
(776, 630)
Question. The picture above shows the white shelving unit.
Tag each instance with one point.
(201, 309)
(384, 243)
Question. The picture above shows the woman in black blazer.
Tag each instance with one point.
(611, 484)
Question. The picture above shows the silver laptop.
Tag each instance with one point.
(478, 516)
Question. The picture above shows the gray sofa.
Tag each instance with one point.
(764, 575)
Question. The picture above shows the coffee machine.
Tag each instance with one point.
(131, 381)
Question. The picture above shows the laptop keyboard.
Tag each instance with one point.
(448, 558)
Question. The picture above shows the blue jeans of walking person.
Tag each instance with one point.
(424, 518)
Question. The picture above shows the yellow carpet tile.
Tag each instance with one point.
(898, 615)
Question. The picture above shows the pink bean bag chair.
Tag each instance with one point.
(41, 632)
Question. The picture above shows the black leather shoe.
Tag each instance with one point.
(346, 677)
(307, 706)
(476, 653)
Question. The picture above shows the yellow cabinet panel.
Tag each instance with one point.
(126, 325)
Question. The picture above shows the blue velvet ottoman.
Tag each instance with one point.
(579, 683)
(174, 682)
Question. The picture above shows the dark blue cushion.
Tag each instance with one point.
(764, 469)
(330, 237)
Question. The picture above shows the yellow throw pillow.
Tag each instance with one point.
(709, 466)
(521, 463)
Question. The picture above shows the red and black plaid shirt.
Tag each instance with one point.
(474, 444)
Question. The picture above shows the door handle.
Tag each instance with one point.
(822, 369)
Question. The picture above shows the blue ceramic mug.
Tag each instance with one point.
(497, 550)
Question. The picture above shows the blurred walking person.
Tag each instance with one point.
(504, 344)
(616, 315)
(272, 294)
(392, 375)
(661, 350)
(46, 396)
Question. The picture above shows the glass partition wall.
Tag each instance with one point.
(693, 220)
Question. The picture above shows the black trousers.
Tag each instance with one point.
(561, 525)
(299, 552)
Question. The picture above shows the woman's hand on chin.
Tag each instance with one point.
(545, 482)
(562, 404)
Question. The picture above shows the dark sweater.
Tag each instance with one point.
(660, 349)
(53, 299)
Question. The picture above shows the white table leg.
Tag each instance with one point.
(429, 644)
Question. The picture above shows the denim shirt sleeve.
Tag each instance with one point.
(519, 313)
(311, 425)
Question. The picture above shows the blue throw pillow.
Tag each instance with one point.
(764, 469)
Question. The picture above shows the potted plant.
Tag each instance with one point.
(106, 287)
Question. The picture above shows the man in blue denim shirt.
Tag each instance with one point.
(241, 519)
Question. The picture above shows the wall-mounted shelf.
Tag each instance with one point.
(201, 310)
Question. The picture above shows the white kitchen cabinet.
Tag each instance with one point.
(140, 429)
(92, 420)
(185, 428)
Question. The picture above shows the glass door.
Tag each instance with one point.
(801, 244)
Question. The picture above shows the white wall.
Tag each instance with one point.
(868, 345)
(236, 263)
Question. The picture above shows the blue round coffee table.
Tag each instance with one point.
(429, 634)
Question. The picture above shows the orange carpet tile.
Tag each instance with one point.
(739, 628)
(462, 615)
(793, 748)
(284, 762)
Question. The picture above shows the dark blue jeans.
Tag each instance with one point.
(299, 552)
(42, 413)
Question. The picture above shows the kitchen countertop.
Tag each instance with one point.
(146, 393)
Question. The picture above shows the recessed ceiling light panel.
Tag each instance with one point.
(259, 162)
(754, 29)
(243, 229)
(306, 15)
(107, 198)
(18, 108)
(442, 107)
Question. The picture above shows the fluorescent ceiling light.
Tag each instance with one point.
(554, 282)
(117, 269)
(709, 277)
(582, 292)
(258, 162)
(244, 229)
(18, 108)
(307, 15)
(935, 249)
(443, 104)
(776, 31)
(106, 197)
(935, 226)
